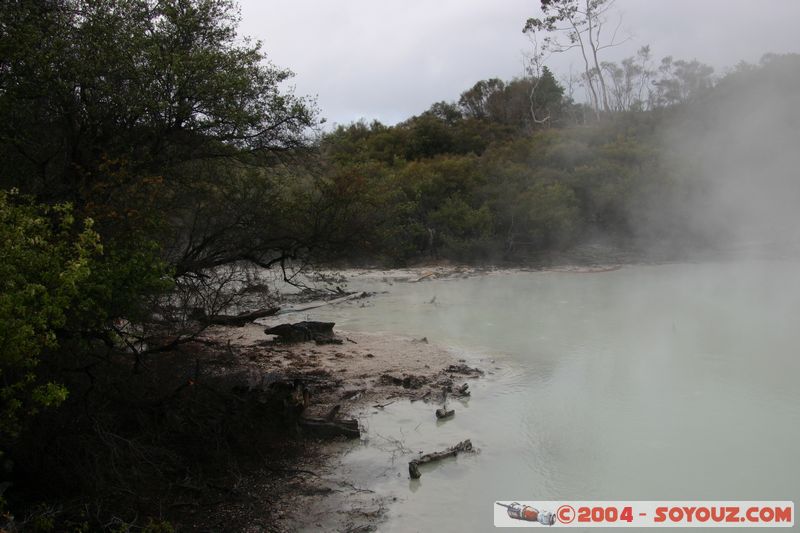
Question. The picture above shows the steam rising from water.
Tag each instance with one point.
(737, 152)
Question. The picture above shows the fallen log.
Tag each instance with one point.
(239, 320)
(318, 304)
(320, 427)
(413, 466)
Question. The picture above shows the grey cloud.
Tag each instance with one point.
(390, 59)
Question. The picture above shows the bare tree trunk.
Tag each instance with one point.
(587, 70)
(590, 18)
(535, 72)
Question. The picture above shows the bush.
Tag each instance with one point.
(46, 257)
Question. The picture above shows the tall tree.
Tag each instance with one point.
(156, 120)
(581, 22)
(630, 82)
(155, 82)
(100, 100)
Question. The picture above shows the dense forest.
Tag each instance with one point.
(483, 179)
(152, 160)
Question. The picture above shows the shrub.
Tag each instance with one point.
(46, 257)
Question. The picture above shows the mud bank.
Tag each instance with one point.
(365, 374)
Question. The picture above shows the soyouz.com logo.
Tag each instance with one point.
(644, 514)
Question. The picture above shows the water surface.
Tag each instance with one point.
(673, 382)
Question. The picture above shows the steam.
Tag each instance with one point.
(735, 154)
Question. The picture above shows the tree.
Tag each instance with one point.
(545, 97)
(582, 23)
(157, 122)
(630, 82)
(522, 104)
(681, 81)
(142, 113)
(153, 82)
(476, 102)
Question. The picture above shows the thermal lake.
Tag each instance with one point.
(652, 382)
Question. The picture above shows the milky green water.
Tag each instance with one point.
(674, 382)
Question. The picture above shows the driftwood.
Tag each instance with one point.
(315, 305)
(442, 413)
(413, 466)
(239, 320)
(323, 428)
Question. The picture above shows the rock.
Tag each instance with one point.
(461, 368)
(407, 381)
(414, 382)
(388, 379)
(352, 394)
(322, 332)
(445, 383)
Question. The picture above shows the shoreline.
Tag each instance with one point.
(365, 373)
(236, 456)
(361, 376)
(326, 499)
(206, 452)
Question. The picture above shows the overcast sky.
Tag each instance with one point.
(391, 59)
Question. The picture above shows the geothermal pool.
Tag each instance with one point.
(667, 382)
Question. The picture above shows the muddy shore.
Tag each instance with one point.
(363, 374)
